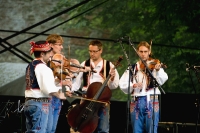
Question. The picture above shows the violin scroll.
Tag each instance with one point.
(116, 64)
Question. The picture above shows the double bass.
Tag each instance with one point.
(84, 116)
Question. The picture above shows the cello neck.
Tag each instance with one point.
(106, 80)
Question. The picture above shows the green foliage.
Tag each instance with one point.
(172, 24)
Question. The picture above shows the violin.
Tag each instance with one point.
(63, 67)
(151, 64)
(56, 64)
(73, 66)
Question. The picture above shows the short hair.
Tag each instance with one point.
(53, 38)
(96, 43)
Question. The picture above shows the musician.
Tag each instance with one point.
(40, 88)
(142, 91)
(56, 42)
(103, 68)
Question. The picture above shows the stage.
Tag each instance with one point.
(179, 114)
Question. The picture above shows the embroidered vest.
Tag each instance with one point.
(150, 85)
(31, 80)
(104, 71)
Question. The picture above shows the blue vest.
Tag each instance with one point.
(31, 80)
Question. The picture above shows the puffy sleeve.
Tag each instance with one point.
(124, 83)
(161, 76)
(115, 83)
(45, 79)
(78, 80)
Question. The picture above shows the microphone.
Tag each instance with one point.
(120, 39)
(196, 67)
(123, 39)
(187, 66)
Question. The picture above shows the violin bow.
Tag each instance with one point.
(162, 64)
(89, 99)
(150, 46)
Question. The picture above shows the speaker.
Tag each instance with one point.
(176, 127)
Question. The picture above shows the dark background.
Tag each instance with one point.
(175, 109)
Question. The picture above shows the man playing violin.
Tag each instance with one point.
(40, 88)
(144, 104)
(102, 69)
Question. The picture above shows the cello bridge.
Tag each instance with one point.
(89, 109)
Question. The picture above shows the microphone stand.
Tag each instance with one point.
(128, 99)
(5, 108)
(20, 107)
(197, 100)
(155, 83)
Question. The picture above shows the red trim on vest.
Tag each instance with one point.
(89, 74)
(28, 76)
(102, 71)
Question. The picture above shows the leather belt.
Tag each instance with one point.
(46, 100)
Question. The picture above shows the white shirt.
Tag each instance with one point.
(95, 77)
(45, 80)
(124, 83)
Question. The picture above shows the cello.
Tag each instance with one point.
(84, 116)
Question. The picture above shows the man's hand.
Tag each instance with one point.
(112, 73)
(61, 95)
(157, 67)
(138, 85)
(67, 83)
(68, 93)
(87, 69)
